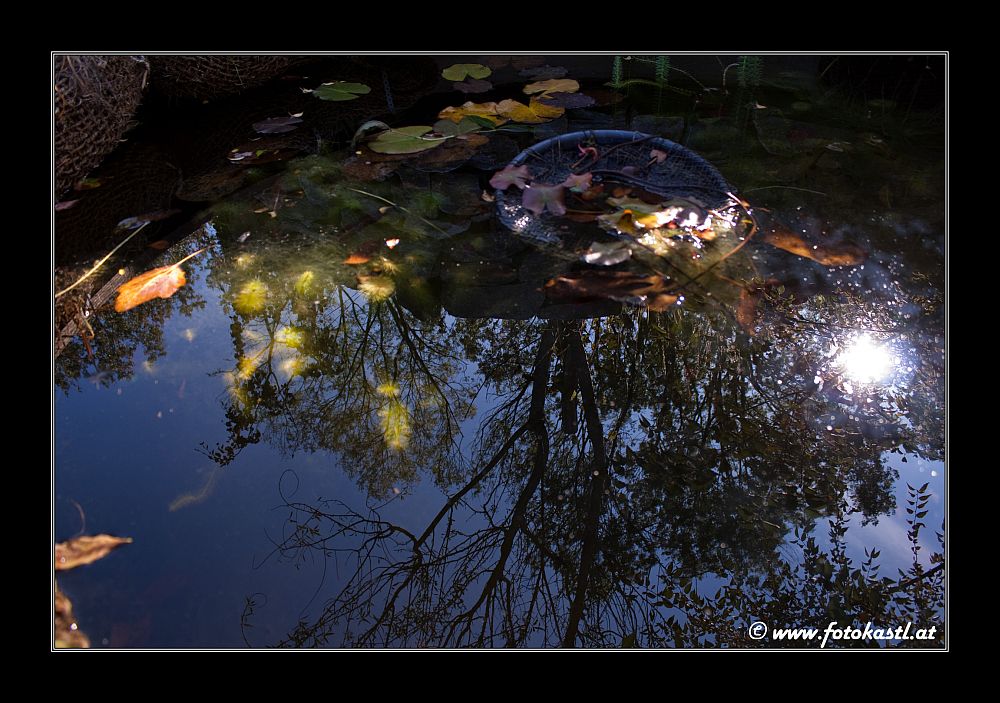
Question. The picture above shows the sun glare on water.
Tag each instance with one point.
(866, 361)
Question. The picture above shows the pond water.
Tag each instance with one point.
(375, 417)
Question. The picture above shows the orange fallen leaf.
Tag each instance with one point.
(86, 550)
(158, 283)
(356, 259)
(839, 254)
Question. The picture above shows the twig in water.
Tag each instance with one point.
(804, 190)
(101, 262)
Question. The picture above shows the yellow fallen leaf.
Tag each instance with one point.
(554, 85)
(470, 109)
(535, 112)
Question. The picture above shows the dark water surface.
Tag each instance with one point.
(328, 438)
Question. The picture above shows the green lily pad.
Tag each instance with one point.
(341, 90)
(405, 140)
(453, 129)
(459, 71)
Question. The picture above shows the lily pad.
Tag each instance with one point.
(459, 71)
(466, 125)
(341, 90)
(405, 140)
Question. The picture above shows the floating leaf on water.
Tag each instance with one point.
(68, 634)
(86, 550)
(252, 298)
(459, 71)
(554, 85)
(567, 101)
(607, 253)
(473, 85)
(392, 243)
(510, 175)
(448, 128)
(539, 197)
(485, 111)
(404, 140)
(649, 290)
(65, 205)
(367, 128)
(357, 259)
(543, 73)
(534, 112)
(341, 90)
(277, 125)
(839, 254)
(159, 244)
(158, 283)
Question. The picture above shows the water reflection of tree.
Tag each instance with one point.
(366, 381)
(609, 481)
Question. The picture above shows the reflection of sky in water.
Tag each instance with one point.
(204, 536)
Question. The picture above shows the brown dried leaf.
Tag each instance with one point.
(68, 635)
(839, 254)
(648, 290)
(746, 311)
(86, 550)
(158, 283)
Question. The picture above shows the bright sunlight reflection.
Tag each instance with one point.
(866, 361)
